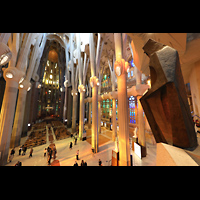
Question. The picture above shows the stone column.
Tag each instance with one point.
(65, 104)
(95, 136)
(19, 115)
(23, 88)
(94, 82)
(141, 126)
(7, 110)
(74, 110)
(121, 72)
(99, 117)
(114, 122)
(69, 107)
(89, 118)
(81, 89)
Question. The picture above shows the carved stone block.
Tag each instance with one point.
(165, 104)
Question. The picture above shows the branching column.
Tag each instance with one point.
(121, 72)
(12, 76)
(95, 142)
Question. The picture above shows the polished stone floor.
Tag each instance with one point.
(67, 157)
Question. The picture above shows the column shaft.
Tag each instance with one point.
(81, 115)
(95, 143)
(6, 119)
(19, 116)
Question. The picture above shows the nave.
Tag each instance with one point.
(67, 157)
(128, 91)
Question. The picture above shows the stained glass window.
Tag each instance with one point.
(132, 110)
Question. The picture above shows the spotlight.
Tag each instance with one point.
(21, 80)
(21, 86)
(9, 75)
(118, 70)
(65, 83)
(5, 54)
(39, 86)
(28, 88)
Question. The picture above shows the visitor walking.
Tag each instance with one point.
(18, 163)
(45, 152)
(31, 152)
(20, 150)
(49, 156)
(24, 148)
(70, 146)
(12, 153)
(75, 164)
(82, 163)
(100, 162)
(75, 140)
(54, 152)
(77, 155)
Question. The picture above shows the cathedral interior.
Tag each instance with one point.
(130, 99)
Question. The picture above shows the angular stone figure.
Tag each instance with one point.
(165, 104)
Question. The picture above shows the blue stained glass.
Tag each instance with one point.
(132, 64)
(131, 73)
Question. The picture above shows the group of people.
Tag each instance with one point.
(22, 149)
(50, 153)
(47, 151)
(82, 163)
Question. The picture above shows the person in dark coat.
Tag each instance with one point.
(18, 164)
(75, 140)
(70, 146)
(100, 162)
(24, 148)
(31, 152)
(20, 149)
(49, 156)
(82, 163)
(77, 155)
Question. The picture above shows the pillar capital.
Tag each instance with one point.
(12, 73)
(66, 83)
(25, 85)
(81, 88)
(94, 81)
(121, 67)
(74, 92)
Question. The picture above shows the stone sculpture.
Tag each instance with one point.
(165, 104)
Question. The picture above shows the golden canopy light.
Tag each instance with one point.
(53, 56)
(5, 54)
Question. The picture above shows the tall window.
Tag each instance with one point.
(132, 108)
